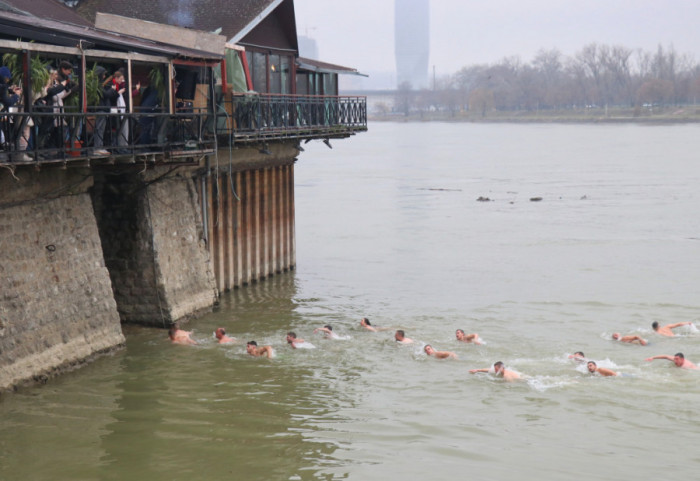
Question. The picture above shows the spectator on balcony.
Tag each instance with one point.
(10, 97)
(62, 87)
(109, 97)
(150, 103)
(122, 122)
(9, 94)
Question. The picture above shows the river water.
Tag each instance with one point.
(388, 227)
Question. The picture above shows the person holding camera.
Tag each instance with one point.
(10, 95)
(63, 86)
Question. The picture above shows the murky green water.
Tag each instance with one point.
(388, 227)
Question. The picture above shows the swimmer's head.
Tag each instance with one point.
(591, 366)
(429, 350)
(365, 322)
(250, 346)
(220, 332)
(459, 333)
(291, 335)
(172, 331)
(578, 356)
(679, 359)
(329, 327)
(655, 325)
(399, 335)
(498, 367)
(616, 336)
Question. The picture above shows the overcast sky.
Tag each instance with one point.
(359, 33)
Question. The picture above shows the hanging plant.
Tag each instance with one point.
(157, 80)
(93, 87)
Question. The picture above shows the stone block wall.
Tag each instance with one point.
(56, 303)
(152, 240)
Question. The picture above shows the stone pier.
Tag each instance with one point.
(56, 304)
(154, 245)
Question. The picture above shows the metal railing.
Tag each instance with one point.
(52, 135)
(252, 116)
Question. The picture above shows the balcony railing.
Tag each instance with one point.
(64, 136)
(255, 117)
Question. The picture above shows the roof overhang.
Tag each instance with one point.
(324, 67)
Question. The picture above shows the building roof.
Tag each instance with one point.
(48, 9)
(231, 16)
(30, 28)
(325, 67)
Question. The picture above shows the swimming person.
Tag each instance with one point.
(327, 331)
(679, 360)
(593, 368)
(364, 322)
(220, 334)
(462, 337)
(253, 349)
(578, 356)
(499, 370)
(400, 336)
(178, 336)
(666, 330)
(629, 339)
(439, 354)
(293, 340)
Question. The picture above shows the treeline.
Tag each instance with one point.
(597, 76)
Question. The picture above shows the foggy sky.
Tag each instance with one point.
(359, 33)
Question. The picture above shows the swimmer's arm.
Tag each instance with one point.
(679, 324)
(322, 329)
(268, 351)
(472, 371)
(661, 356)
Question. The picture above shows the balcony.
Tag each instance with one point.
(98, 137)
(263, 117)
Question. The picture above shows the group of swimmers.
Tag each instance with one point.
(179, 336)
(678, 359)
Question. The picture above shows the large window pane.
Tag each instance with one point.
(259, 72)
(286, 74)
(275, 75)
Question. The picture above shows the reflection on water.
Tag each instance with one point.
(610, 248)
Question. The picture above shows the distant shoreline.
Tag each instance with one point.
(679, 116)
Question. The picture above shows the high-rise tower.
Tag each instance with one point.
(412, 41)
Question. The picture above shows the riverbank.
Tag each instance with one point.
(641, 115)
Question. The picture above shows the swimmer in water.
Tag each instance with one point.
(178, 336)
(666, 330)
(253, 349)
(220, 334)
(499, 370)
(462, 337)
(439, 354)
(293, 340)
(593, 368)
(679, 360)
(400, 336)
(629, 339)
(364, 322)
(578, 356)
(327, 331)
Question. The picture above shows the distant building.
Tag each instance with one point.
(308, 47)
(412, 41)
